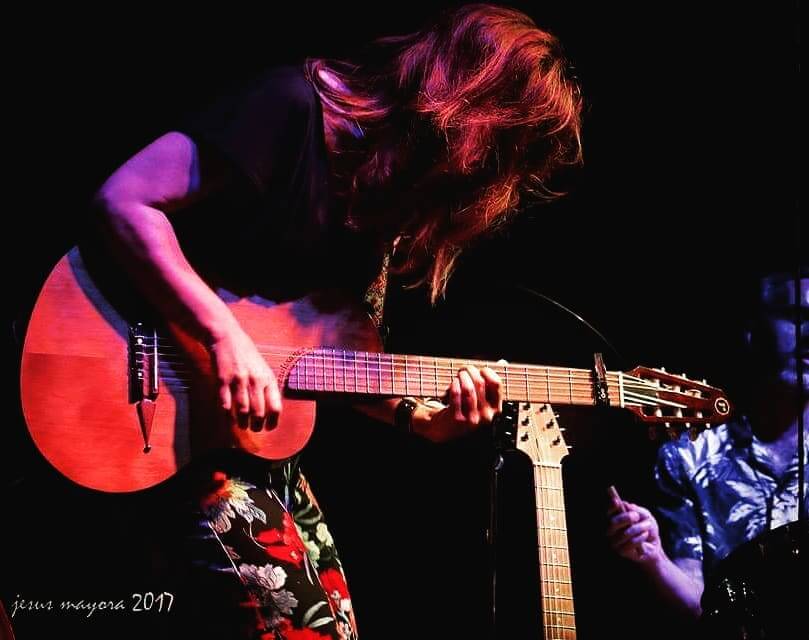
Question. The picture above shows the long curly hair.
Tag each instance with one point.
(440, 135)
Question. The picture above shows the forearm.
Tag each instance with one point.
(678, 586)
(143, 241)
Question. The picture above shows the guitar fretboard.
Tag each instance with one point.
(558, 616)
(384, 374)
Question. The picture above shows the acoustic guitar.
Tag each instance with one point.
(116, 402)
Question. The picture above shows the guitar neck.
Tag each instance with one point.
(558, 617)
(326, 370)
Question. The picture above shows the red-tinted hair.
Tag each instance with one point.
(441, 133)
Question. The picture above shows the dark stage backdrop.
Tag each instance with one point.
(690, 177)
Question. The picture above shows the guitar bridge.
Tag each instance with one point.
(143, 367)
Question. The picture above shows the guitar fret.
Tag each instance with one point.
(527, 391)
(323, 362)
(570, 384)
(560, 626)
(344, 369)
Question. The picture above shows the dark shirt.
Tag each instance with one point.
(720, 491)
(277, 230)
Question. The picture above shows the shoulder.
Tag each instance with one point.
(287, 85)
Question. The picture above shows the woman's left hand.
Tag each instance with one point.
(473, 398)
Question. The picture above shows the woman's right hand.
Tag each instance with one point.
(247, 386)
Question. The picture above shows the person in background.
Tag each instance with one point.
(737, 480)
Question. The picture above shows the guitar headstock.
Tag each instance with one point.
(673, 402)
(539, 435)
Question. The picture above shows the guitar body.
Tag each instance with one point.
(77, 381)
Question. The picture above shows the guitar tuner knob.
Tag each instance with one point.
(527, 405)
(663, 369)
(555, 415)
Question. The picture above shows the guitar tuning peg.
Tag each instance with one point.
(663, 369)
(707, 425)
(683, 375)
(704, 381)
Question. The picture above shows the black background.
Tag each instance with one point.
(691, 140)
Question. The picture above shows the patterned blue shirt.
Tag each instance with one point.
(720, 491)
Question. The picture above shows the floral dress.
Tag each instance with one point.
(262, 555)
(262, 558)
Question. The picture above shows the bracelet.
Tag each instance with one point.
(403, 417)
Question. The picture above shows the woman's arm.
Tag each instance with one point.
(474, 397)
(133, 208)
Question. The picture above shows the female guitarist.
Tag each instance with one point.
(299, 189)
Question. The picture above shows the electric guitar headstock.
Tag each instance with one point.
(539, 435)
